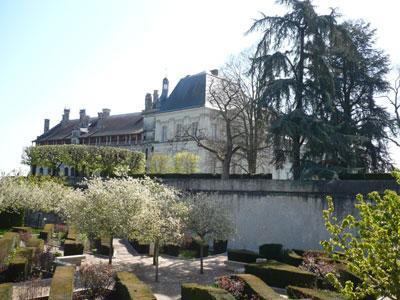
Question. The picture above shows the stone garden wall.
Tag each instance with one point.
(281, 211)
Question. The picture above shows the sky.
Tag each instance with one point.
(96, 54)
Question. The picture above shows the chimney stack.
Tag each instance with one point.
(83, 119)
(82, 114)
(106, 112)
(148, 102)
(214, 72)
(65, 117)
(46, 125)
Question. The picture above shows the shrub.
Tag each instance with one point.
(295, 292)
(62, 284)
(128, 287)
(14, 236)
(271, 251)
(254, 286)
(17, 268)
(96, 279)
(219, 246)
(172, 250)
(103, 246)
(36, 243)
(47, 232)
(242, 255)
(233, 285)
(72, 248)
(280, 275)
(6, 291)
(292, 258)
(29, 254)
(320, 266)
(10, 219)
(192, 291)
(195, 245)
(44, 261)
(22, 229)
(139, 247)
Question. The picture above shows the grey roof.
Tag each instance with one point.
(112, 125)
(190, 92)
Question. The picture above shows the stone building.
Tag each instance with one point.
(161, 127)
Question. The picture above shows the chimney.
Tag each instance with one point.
(46, 125)
(106, 112)
(65, 117)
(82, 114)
(155, 96)
(214, 72)
(83, 119)
(148, 102)
(100, 120)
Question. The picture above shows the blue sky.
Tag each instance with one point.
(97, 54)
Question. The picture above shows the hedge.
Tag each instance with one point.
(129, 287)
(193, 291)
(7, 244)
(219, 247)
(242, 255)
(72, 248)
(196, 246)
(295, 292)
(255, 286)
(292, 258)
(103, 246)
(368, 176)
(172, 250)
(22, 229)
(281, 275)
(17, 268)
(47, 232)
(29, 254)
(271, 251)
(62, 284)
(14, 236)
(6, 291)
(202, 176)
(10, 219)
(139, 247)
(36, 243)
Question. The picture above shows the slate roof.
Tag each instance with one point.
(190, 92)
(112, 125)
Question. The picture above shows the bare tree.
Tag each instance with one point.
(395, 99)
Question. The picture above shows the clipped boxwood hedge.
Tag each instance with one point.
(255, 286)
(22, 229)
(193, 291)
(35, 243)
(242, 255)
(47, 232)
(129, 287)
(14, 236)
(172, 250)
(6, 291)
(292, 258)
(139, 247)
(72, 248)
(62, 284)
(271, 251)
(29, 254)
(220, 246)
(103, 246)
(7, 244)
(281, 275)
(17, 269)
(295, 292)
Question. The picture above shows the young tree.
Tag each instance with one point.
(369, 243)
(186, 162)
(162, 218)
(159, 164)
(295, 77)
(109, 208)
(208, 220)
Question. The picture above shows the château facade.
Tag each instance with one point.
(162, 127)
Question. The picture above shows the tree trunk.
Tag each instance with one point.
(156, 246)
(201, 259)
(110, 251)
(226, 164)
(296, 167)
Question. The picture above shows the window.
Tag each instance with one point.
(195, 126)
(214, 131)
(66, 173)
(164, 134)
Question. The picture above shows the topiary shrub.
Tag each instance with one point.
(6, 291)
(22, 229)
(35, 243)
(242, 255)
(62, 284)
(7, 245)
(219, 246)
(129, 287)
(172, 250)
(47, 232)
(103, 247)
(271, 251)
(17, 269)
(193, 291)
(14, 237)
(72, 248)
(29, 254)
(195, 246)
(292, 258)
(295, 292)
(281, 275)
(139, 247)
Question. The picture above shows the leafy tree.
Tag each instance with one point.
(159, 164)
(208, 220)
(295, 77)
(186, 163)
(162, 218)
(369, 243)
